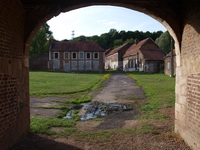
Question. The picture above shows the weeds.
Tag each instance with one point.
(159, 90)
(133, 98)
(78, 100)
(174, 136)
(145, 128)
(44, 125)
(95, 137)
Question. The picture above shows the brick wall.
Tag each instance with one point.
(193, 104)
(14, 88)
(40, 62)
(187, 76)
(14, 75)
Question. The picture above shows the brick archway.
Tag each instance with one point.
(21, 19)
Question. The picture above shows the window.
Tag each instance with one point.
(66, 55)
(81, 55)
(56, 55)
(74, 55)
(88, 55)
(96, 55)
(168, 65)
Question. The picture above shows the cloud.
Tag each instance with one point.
(107, 22)
(101, 21)
(111, 23)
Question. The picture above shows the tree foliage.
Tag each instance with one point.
(116, 38)
(40, 43)
(164, 42)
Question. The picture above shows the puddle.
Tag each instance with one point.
(97, 110)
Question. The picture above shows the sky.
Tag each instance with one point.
(96, 20)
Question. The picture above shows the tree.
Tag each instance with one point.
(40, 43)
(132, 41)
(164, 42)
(123, 35)
(81, 38)
(155, 35)
(118, 42)
(114, 38)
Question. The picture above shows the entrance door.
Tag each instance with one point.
(56, 64)
(67, 66)
(81, 65)
(88, 65)
(96, 65)
(74, 65)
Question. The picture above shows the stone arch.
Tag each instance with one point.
(169, 24)
(21, 19)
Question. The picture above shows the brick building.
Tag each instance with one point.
(76, 56)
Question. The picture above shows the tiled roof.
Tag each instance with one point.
(155, 54)
(170, 53)
(113, 51)
(76, 46)
(149, 54)
(108, 51)
(134, 48)
(131, 51)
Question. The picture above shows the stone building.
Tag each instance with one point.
(114, 57)
(144, 56)
(169, 69)
(76, 56)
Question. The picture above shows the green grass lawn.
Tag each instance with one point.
(60, 83)
(160, 91)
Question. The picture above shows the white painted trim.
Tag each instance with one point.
(80, 53)
(68, 55)
(94, 55)
(54, 55)
(88, 53)
(72, 55)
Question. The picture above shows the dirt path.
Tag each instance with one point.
(118, 89)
